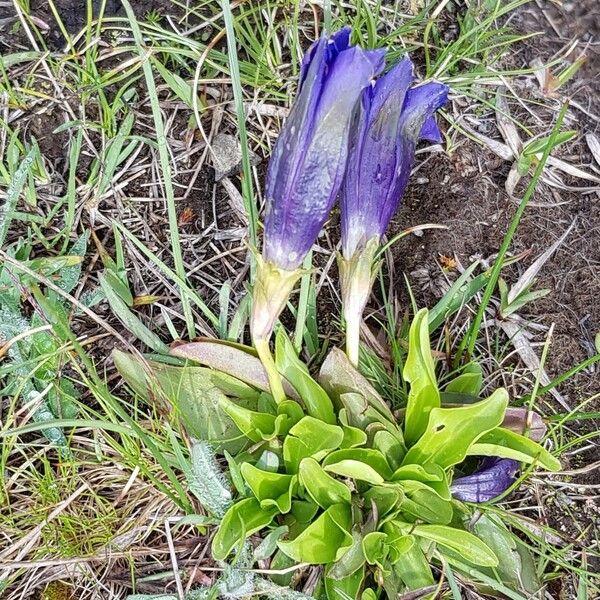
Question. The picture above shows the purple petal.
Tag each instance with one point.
(430, 131)
(309, 159)
(392, 119)
(493, 478)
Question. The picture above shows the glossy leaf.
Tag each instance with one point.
(425, 504)
(516, 568)
(508, 444)
(375, 548)
(353, 437)
(320, 486)
(413, 568)
(419, 371)
(323, 541)
(256, 426)
(425, 473)
(468, 545)
(347, 587)
(451, 431)
(241, 520)
(356, 470)
(351, 561)
(385, 498)
(390, 446)
(369, 456)
(317, 435)
(468, 382)
(270, 489)
(315, 399)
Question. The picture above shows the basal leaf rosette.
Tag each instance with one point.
(348, 486)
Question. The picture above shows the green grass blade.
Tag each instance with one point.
(164, 163)
(234, 71)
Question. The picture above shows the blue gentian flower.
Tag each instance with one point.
(494, 476)
(389, 122)
(307, 166)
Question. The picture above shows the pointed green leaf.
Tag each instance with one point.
(317, 435)
(345, 588)
(325, 540)
(315, 399)
(241, 520)
(370, 456)
(469, 546)
(322, 487)
(419, 371)
(468, 382)
(509, 444)
(256, 426)
(356, 470)
(451, 431)
(270, 489)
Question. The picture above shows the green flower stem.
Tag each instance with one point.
(356, 280)
(275, 381)
(353, 337)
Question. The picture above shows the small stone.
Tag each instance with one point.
(227, 155)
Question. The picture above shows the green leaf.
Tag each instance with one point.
(351, 561)
(468, 545)
(346, 587)
(459, 294)
(195, 391)
(386, 498)
(256, 426)
(69, 276)
(321, 487)
(451, 431)
(269, 544)
(119, 286)
(468, 382)
(356, 470)
(241, 520)
(425, 473)
(539, 145)
(179, 86)
(419, 371)
(375, 548)
(353, 437)
(413, 567)
(509, 444)
(270, 489)
(374, 458)
(516, 568)
(314, 397)
(317, 435)
(234, 359)
(425, 504)
(390, 446)
(129, 320)
(325, 540)
(13, 192)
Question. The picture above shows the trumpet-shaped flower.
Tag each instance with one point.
(389, 121)
(494, 476)
(307, 166)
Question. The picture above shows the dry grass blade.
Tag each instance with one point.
(531, 273)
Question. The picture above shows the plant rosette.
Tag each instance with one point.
(331, 477)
